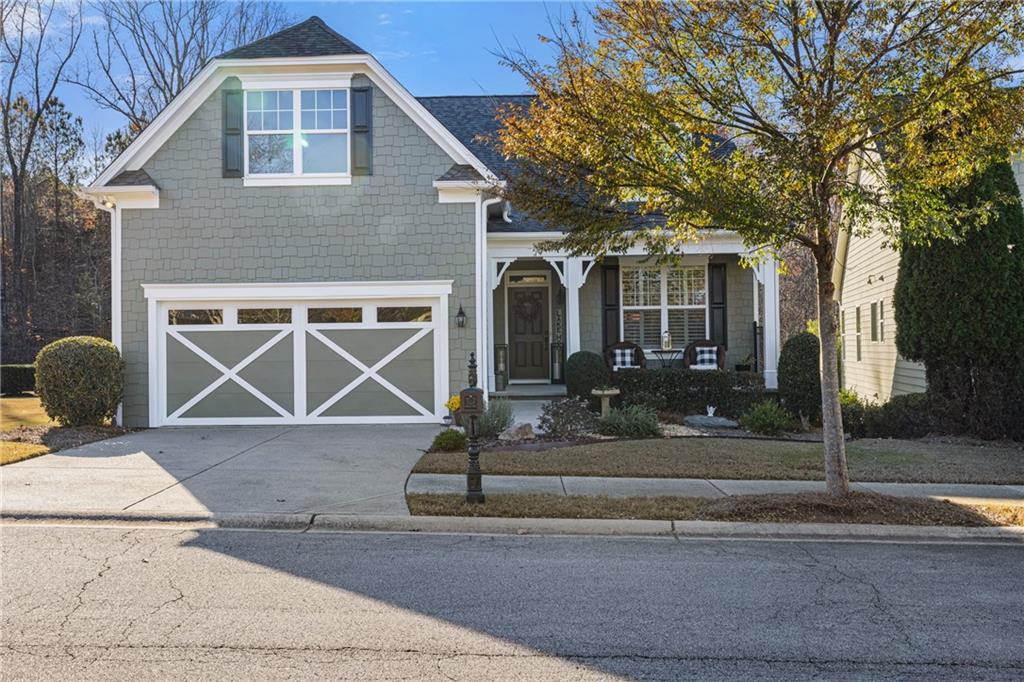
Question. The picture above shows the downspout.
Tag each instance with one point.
(108, 206)
(483, 289)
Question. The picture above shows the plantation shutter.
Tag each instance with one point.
(610, 304)
(716, 303)
(233, 147)
(362, 131)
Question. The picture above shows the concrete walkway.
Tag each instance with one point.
(702, 487)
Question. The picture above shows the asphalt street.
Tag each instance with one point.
(91, 602)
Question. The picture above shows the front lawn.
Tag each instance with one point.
(11, 452)
(795, 508)
(903, 461)
(22, 411)
(28, 432)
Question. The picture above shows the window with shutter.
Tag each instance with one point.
(298, 136)
(656, 298)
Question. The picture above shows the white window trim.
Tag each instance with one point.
(663, 305)
(296, 177)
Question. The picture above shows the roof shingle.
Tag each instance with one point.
(311, 38)
(132, 178)
(472, 117)
(460, 172)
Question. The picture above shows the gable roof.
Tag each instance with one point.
(471, 117)
(311, 38)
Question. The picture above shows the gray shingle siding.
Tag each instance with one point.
(739, 311)
(388, 226)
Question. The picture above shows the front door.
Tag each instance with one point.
(528, 329)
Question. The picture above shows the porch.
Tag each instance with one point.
(544, 307)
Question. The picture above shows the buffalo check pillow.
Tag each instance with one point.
(707, 358)
(623, 358)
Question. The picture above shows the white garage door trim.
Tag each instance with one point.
(298, 296)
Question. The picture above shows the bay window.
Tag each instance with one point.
(300, 134)
(656, 298)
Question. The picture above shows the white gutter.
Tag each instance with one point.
(484, 313)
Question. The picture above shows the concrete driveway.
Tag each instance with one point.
(314, 469)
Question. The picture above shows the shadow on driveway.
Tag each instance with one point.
(318, 469)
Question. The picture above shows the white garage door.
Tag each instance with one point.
(376, 355)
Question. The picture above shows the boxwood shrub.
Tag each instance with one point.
(449, 440)
(767, 417)
(15, 379)
(79, 380)
(904, 416)
(585, 371)
(689, 391)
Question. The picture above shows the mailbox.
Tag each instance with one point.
(471, 408)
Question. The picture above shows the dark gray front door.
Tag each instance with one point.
(528, 330)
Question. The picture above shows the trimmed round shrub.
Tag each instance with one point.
(566, 418)
(80, 380)
(800, 376)
(767, 417)
(585, 371)
(449, 440)
(634, 421)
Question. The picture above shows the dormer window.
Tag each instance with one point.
(297, 135)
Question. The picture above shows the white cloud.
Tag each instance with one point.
(384, 19)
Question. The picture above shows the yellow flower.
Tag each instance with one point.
(454, 403)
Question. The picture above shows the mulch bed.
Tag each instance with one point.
(62, 437)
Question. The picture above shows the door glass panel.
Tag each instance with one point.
(335, 315)
(527, 279)
(195, 316)
(404, 314)
(264, 315)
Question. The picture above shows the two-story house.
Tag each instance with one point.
(297, 239)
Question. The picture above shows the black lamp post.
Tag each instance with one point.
(471, 407)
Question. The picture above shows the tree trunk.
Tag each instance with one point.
(837, 477)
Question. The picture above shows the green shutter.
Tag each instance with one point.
(233, 147)
(610, 304)
(716, 304)
(362, 131)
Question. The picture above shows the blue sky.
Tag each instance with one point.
(433, 48)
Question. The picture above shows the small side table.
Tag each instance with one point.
(667, 357)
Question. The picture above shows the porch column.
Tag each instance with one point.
(573, 275)
(496, 268)
(573, 282)
(771, 324)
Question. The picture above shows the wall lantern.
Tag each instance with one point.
(460, 318)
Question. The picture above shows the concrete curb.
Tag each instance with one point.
(503, 526)
(254, 521)
(490, 525)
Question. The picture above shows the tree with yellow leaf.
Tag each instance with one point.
(787, 122)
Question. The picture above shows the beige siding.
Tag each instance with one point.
(881, 372)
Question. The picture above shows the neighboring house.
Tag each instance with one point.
(865, 277)
(866, 271)
(296, 239)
